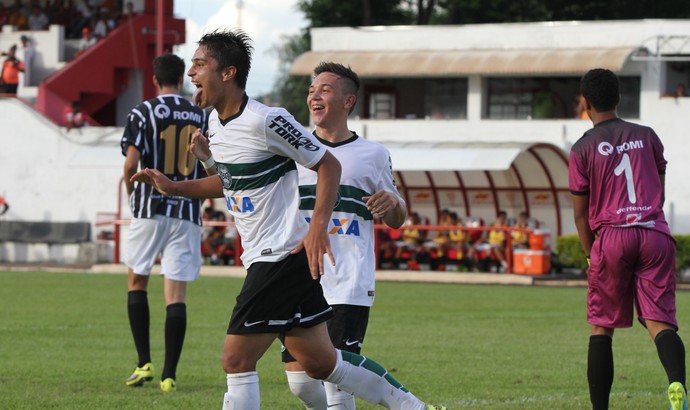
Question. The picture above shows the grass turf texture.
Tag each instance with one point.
(65, 344)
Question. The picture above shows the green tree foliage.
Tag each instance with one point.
(504, 11)
(292, 90)
(330, 13)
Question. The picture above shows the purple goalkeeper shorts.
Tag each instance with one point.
(632, 266)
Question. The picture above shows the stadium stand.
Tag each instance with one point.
(49, 233)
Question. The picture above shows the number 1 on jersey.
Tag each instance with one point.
(625, 168)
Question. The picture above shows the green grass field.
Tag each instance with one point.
(65, 344)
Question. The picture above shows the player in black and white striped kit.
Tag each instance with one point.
(157, 136)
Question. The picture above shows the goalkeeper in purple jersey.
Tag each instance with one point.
(616, 176)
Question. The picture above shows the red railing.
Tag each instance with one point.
(541, 244)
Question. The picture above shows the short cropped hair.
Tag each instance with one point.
(168, 70)
(601, 88)
(351, 78)
(230, 48)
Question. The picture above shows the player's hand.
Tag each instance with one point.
(199, 145)
(156, 178)
(317, 245)
(380, 203)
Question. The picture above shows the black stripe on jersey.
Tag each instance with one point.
(349, 200)
(161, 129)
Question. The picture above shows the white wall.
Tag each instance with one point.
(50, 174)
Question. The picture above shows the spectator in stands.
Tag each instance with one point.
(410, 247)
(162, 225)
(214, 244)
(5, 206)
(11, 67)
(456, 248)
(4, 14)
(87, 40)
(37, 19)
(437, 247)
(128, 14)
(29, 53)
(17, 17)
(521, 239)
(497, 239)
(386, 244)
(493, 242)
(100, 27)
(62, 15)
(73, 116)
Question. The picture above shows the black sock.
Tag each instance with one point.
(175, 327)
(672, 355)
(138, 311)
(600, 370)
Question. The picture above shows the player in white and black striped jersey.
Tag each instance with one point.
(157, 135)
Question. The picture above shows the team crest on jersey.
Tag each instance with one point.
(224, 174)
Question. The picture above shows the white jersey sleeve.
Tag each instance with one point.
(287, 137)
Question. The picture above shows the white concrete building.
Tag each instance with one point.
(478, 118)
(427, 90)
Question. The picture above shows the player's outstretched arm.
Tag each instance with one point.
(210, 187)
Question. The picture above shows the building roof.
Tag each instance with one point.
(438, 63)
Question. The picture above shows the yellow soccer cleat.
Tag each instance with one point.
(141, 374)
(677, 396)
(168, 385)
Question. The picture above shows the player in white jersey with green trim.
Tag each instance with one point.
(367, 189)
(285, 256)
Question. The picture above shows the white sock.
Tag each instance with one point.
(339, 399)
(309, 390)
(369, 381)
(243, 392)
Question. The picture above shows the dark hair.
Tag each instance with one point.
(600, 87)
(230, 48)
(168, 70)
(352, 80)
(345, 73)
